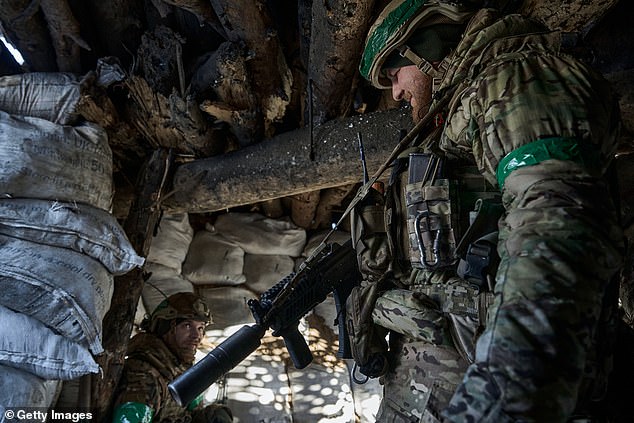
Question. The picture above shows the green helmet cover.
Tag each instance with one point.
(428, 21)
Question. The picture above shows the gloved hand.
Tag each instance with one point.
(214, 413)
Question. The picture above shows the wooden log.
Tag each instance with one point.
(203, 12)
(171, 122)
(65, 33)
(224, 77)
(118, 321)
(281, 166)
(335, 54)
(249, 22)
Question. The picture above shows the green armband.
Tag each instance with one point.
(558, 148)
(132, 412)
(194, 403)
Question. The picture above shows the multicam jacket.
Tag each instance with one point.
(149, 367)
(542, 127)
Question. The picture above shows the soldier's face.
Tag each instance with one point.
(185, 337)
(411, 85)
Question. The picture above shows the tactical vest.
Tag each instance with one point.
(436, 211)
(411, 241)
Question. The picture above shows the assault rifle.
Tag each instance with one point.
(332, 268)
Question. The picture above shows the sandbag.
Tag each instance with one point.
(228, 305)
(212, 259)
(40, 159)
(53, 96)
(20, 389)
(163, 281)
(67, 291)
(257, 234)
(29, 345)
(170, 244)
(262, 272)
(80, 227)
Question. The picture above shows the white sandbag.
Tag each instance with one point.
(170, 244)
(262, 272)
(41, 159)
(29, 345)
(228, 305)
(67, 291)
(257, 234)
(212, 259)
(80, 227)
(162, 282)
(20, 389)
(53, 96)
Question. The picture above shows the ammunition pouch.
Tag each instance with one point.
(429, 216)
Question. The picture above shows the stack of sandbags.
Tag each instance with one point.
(244, 249)
(237, 258)
(213, 259)
(164, 261)
(60, 247)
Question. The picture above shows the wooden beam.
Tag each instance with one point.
(282, 166)
(117, 325)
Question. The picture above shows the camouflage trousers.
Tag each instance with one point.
(425, 366)
(560, 246)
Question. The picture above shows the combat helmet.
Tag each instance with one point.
(413, 32)
(183, 305)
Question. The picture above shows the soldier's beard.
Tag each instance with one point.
(420, 106)
(420, 97)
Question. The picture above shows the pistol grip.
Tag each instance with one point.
(297, 347)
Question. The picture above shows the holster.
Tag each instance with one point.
(367, 340)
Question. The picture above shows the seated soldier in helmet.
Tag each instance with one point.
(164, 350)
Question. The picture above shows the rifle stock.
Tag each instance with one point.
(332, 269)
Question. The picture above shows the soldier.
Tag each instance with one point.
(163, 351)
(541, 129)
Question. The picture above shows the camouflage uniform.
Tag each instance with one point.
(150, 366)
(542, 126)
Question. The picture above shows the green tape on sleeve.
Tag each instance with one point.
(558, 148)
(194, 403)
(132, 412)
